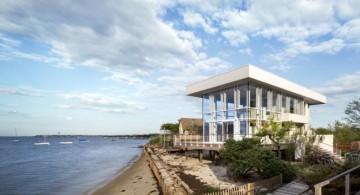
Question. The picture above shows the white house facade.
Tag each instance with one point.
(235, 103)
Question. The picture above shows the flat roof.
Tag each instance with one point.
(253, 74)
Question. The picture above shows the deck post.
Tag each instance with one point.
(211, 155)
(200, 152)
(347, 184)
(186, 154)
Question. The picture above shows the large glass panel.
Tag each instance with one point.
(292, 109)
(283, 103)
(264, 98)
(207, 117)
(243, 128)
(206, 103)
(206, 132)
(219, 116)
(217, 100)
(219, 132)
(229, 130)
(229, 115)
(252, 90)
(243, 96)
(274, 101)
(301, 107)
(229, 94)
(241, 113)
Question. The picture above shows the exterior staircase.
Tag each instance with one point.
(337, 157)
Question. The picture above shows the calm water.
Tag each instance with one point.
(62, 169)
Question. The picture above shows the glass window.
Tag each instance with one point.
(229, 115)
(206, 103)
(243, 128)
(229, 94)
(241, 113)
(274, 101)
(207, 117)
(217, 100)
(243, 96)
(264, 98)
(301, 107)
(283, 103)
(218, 132)
(206, 132)
(252, 90)
(292, 109)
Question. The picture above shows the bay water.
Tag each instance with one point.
(77, 168)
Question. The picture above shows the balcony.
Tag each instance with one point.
(296, 118)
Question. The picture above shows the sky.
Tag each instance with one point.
(121, 67)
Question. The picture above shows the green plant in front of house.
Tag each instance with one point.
(245, 157)
(155, 140)
(212, 189)
(317, 173)
(318, 157)
(277, 132)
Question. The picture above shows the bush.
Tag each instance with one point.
(317, 173)
(317, 157)
(155, 140)
(275, 167)
(244, 157)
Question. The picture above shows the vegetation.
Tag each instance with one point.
(155, 140)
(314, 174)
(173, 127)
(352, 112)
(244, 157)
(277, 132)
(212, 189)
(318, 157)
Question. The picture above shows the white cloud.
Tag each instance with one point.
(236, 38)
(123, 77)
(22, 91)
(100, 103)
(350, 31)
(345, 84)
(347, 9)
(196, 20)
(123, 42)
(294, 49)
(246, 51)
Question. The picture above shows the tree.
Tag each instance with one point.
(353, 114)
(173, 127)
(277, 132)
(244, 157)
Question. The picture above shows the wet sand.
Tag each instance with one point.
(138, 179)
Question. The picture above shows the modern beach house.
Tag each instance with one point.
(235, 103)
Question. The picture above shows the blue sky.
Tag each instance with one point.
(121, 67)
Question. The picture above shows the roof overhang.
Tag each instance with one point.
(253, 74)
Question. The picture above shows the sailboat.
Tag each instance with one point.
(16, 139)
(42, 143)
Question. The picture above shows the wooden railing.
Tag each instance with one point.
(251, 188)
(318, 187)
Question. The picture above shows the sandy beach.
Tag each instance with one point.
(137, 180)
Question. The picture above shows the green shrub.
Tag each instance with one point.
(155, 140)
(275, 167)
(316, 173)
(318, 157)
(245, 157)
(212, 189)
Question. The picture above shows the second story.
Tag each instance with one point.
(251, 93)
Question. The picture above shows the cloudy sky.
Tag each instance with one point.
(121, 67)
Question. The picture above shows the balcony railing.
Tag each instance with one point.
(211, 141)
